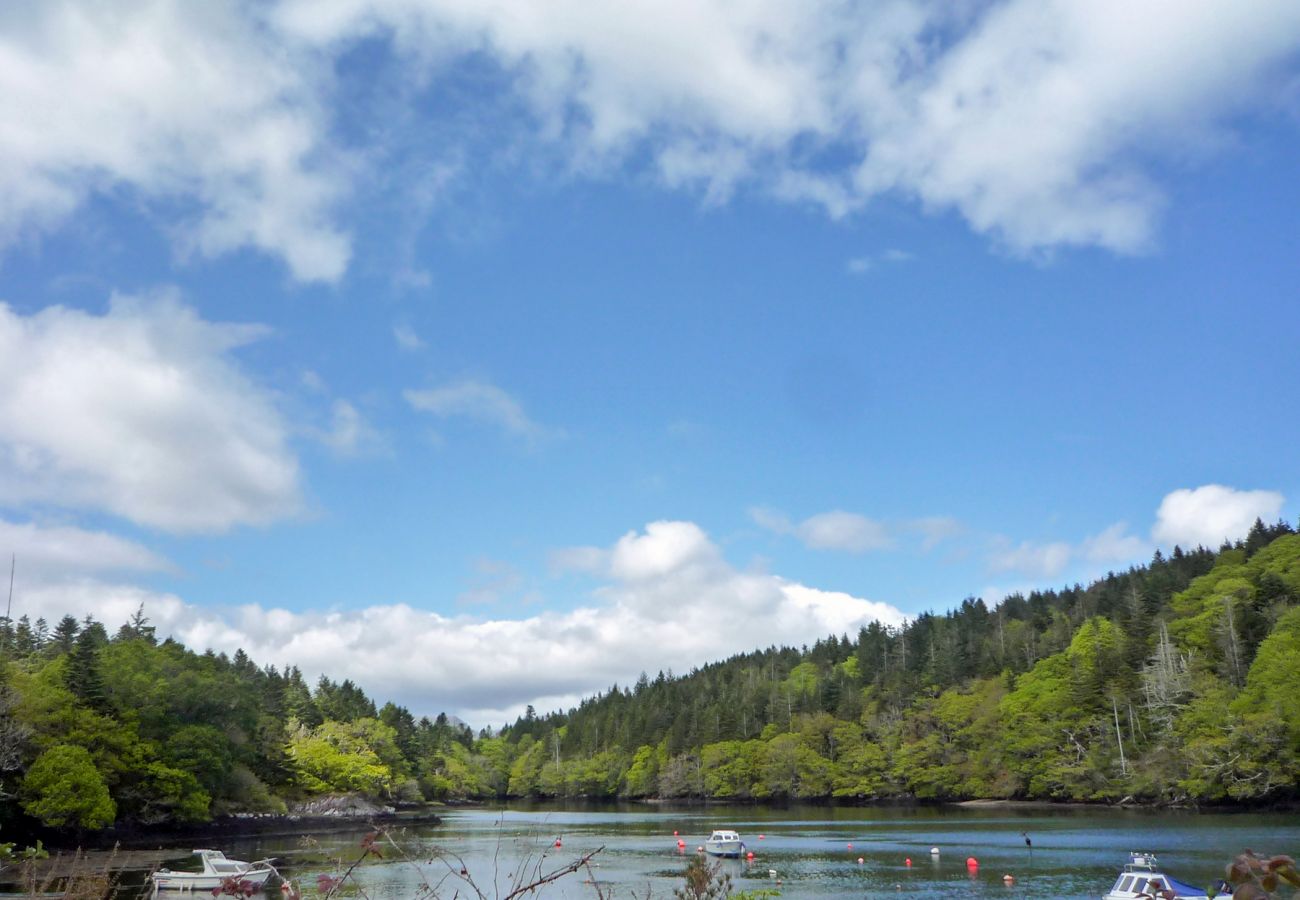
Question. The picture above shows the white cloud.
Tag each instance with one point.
(1208, 515)
(142, 413)
(668, 600)
(482, 402)
(834, 530)
(107, 602)
(44, 552)
(196, 107)
(1042, 123)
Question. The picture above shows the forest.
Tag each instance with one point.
(1177, 682)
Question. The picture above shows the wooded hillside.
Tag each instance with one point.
(1175, 682)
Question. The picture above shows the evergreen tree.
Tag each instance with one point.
(65, 636)
(82, 674)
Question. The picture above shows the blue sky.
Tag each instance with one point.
(488, 354)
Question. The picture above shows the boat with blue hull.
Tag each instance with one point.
(1144, 879)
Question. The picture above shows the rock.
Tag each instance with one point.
(349, 806)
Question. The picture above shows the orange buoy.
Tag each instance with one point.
(680, 843)
(749, 855)
(972, 862)
(674, 832)
(908, 862)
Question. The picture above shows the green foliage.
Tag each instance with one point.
(63, 788)
(342, 756)
(642, 779)
(1178, 681)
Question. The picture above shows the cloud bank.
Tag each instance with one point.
(667, 599)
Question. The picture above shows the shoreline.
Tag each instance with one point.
(145, 849)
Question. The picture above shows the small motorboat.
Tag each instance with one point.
(1143, 879)
(217, 871)
(724, 843)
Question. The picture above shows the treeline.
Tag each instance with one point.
(98, 729)
(1178, 681)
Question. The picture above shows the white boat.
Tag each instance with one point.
(217, 871)
(1143, 879)
(724, 843)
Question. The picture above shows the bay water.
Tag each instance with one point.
(801, 851)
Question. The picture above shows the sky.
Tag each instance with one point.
(493, 352)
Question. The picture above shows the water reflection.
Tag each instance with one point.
(813, 852)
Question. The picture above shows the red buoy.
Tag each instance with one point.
(749, 855)
(557, 843)
(850, 845)
(908, 862)
(680, 843)
(972, 862)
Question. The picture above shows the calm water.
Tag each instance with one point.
(1075, 853)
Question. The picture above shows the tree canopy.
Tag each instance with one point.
(1174, 682)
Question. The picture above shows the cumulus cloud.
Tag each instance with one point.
(142, 413)
(1211, 514)
(197, 108)
(479, 401)
(666, 599)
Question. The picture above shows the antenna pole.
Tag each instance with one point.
(13, 562)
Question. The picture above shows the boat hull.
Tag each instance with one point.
(724, 849)
(200, 881)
